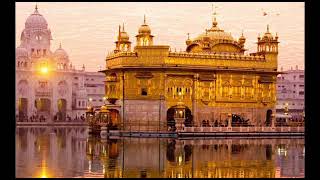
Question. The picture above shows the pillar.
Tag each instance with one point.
(273, 119)
(229, 119)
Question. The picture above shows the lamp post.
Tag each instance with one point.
(104, 99)
(90, 101)
(161, 96)
(180, 113)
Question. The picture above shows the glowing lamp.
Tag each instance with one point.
(44, 70)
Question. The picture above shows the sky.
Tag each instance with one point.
(88, 30)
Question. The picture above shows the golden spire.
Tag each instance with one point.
(122, 27)
(144, 19)
(214, 22)
(119, 33)
(188, 35)
(267, 28)
(242, 33)
(60, 46)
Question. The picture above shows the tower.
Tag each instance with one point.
(144, 38)
(122, 44)
(268, 46)
(36, 36)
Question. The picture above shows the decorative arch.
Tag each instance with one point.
(194, 48)
(268, 117)
(62, 109)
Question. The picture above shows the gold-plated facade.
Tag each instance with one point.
(212, 77)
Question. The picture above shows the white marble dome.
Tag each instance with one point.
(36, 21)
(61, 54)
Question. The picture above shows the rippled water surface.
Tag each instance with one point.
(68, 152)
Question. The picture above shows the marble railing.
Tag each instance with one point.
(224, 56)
(243, 129)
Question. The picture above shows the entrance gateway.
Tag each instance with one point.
(177, 116)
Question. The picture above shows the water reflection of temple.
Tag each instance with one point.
(137, 157)
(67, 152)
(50, 152)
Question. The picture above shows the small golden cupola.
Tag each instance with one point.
(144, 37)
(242, 40)
(188, 41)
(122, 44)
(268, 43)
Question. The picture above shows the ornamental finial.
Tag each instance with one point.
(60, 46)
(144, 19)
(36, 9)
(188, 35)
(122, 27)
(267, 28)
(214, 22)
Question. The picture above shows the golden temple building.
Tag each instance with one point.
(211, 80)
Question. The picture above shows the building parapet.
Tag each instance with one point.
(224, 56)
(122, 54)
(184, 59)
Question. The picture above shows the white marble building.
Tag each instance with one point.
(290, 92)
(46, 82)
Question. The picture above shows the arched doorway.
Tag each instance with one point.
(268, 117)
(179, 112)
(23, 109)
(114, 118)
(43, 106)
(238, 120)
(171, 123)
(62, 109)
(189, 118)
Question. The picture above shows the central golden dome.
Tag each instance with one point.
(215, 33)
(215, 40)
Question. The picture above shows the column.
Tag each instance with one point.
(273, 120)
(229, 120)
(194, 101)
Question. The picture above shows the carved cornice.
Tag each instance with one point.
(144, 75)
(207, 77)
